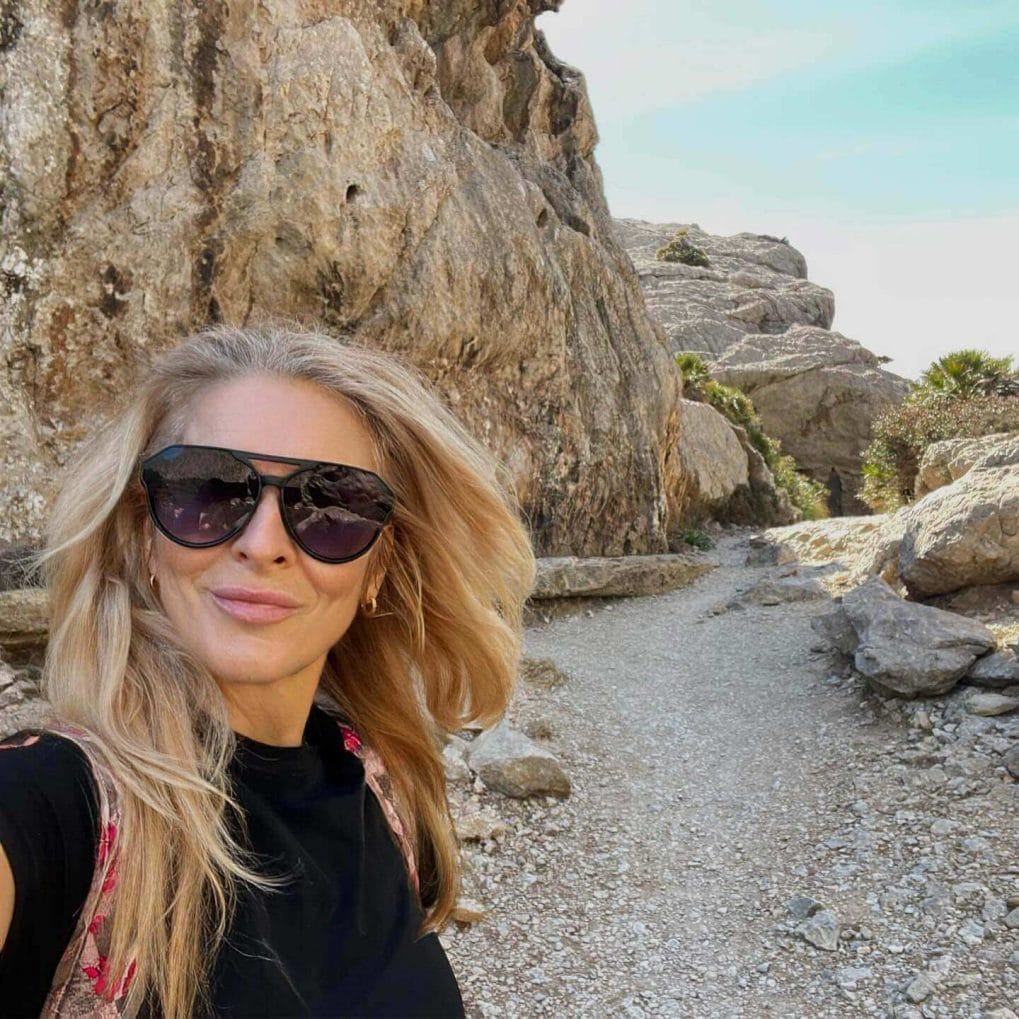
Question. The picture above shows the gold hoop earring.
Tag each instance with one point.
(152, 581)
(374, 605)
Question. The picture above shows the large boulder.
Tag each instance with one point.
(967, 533)
(421, 174)
(878, 556)
(909, 649)
(819, 393)
(724, 475)
(762, 501)
(713, 461)
(753, 284)
(948, 460)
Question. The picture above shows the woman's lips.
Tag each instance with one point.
(253, 612)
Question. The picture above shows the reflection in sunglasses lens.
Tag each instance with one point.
(334, 510)
(200, 496)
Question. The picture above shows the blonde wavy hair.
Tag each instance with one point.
(442, 653)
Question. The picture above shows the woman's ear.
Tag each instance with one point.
(381, 563)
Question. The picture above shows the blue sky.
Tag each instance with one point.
(881, 138)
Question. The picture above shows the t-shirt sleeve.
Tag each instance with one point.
(49, 829)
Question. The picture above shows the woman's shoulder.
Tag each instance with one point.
(33, 747)
(40, 744)
(44, 770)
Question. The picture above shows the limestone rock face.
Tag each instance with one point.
(714, 463)
(833, 539)
(818, 392)
(21, 706)
(948, 460)
(421, 173)
(753, 284)
(764, 328)
(725, 476)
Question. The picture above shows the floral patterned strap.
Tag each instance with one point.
(17, 740)
(381, 784)
(80, 984)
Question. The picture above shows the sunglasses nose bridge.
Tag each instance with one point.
(267, 481)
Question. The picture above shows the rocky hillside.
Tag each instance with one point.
(421, 173)
(765, 328)
(754, 284)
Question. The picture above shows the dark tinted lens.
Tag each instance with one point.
(336, 511)
(199, 495)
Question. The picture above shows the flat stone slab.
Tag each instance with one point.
(24, 617)
(576, 576)
(989, 704)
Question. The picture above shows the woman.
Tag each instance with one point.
(275, 580)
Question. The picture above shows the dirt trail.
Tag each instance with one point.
(721, 768)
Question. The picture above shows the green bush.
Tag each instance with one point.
(679, 249)
(809, 496)
(901, 435)
(698, 539)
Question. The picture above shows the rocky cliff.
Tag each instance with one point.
(763, 327)
(422, 173)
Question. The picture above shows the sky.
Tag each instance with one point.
(880, 138)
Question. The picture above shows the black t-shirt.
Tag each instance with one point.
(344, 929)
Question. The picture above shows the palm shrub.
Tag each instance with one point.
(695, 371)
(970, 372)
(809, 496)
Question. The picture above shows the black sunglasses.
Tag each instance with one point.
(200, 496)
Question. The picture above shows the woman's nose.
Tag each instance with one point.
(266, 523)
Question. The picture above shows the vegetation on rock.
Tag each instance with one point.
(964, 394)
(697, 538)
(679, 249)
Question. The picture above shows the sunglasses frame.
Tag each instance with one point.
(245, 457)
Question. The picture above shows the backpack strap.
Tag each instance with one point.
(380, 782)
(80, 981)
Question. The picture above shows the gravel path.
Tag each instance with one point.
(730, 784)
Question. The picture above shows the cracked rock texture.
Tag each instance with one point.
(422, 173)
(753, 284)
(818, 392)
(763, 327)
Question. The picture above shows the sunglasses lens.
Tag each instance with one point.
(199, 496)
(336, 511)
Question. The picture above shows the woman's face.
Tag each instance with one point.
(281, 417)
